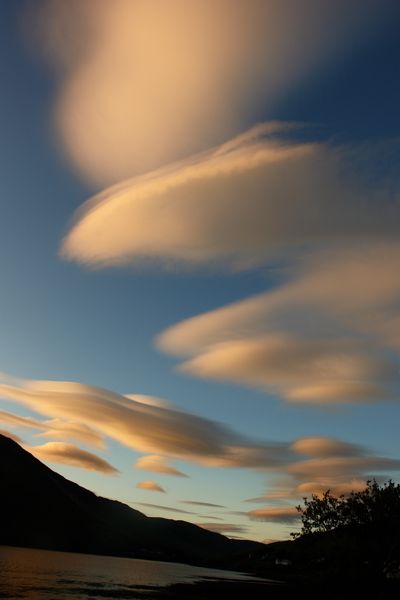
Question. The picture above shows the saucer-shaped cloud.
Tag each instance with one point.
(161, 428)
(145, 82)
(157, 464)
(334, 465)
(280, 514)
(55, 428)
(323, 446)
(251, 199)
(144, 426)
(151, 486)
(341, 466)
(59, 429)
(161, 507)
(318, 488)
(331, 333)
(67, 454)
(199, 503)
(224, 528)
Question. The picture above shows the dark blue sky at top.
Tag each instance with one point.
(59, 321)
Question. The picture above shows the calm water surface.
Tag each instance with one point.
(36, 574)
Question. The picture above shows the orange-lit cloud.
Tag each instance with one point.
(144, 82)
(340, 466)
(59, 429)
(311, 462)
(144, 426)
(19, 421)
(151, 486)
(67, 454)
(318, 488)
(12, 436)
(331, 333)
(336, 466)
(55, 428)
(323, 446)
(252, 199)
(280, 514)
(157, 464)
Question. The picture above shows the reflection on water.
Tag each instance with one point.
(36, 574)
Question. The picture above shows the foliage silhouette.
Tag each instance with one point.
(374, 504)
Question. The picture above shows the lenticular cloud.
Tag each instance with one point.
(142, 83)
(259, 196)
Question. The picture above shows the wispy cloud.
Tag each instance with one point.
(255, 198)
(198, 503)
(286, 514)
(20, 421)
(144, 83)
(331, 333)
(306, 463)
(55, 428)
(144, 426)
(59, 429)
(151, 486)
(67, 454)
(157, 464)
(11, 435)
(324, 446)
(162, 507)
(334, 465)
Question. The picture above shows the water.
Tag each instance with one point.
(42, 574)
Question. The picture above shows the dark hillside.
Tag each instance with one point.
(41, 509)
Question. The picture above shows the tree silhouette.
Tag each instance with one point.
(374, 504)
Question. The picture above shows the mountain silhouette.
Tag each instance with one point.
(41, 509)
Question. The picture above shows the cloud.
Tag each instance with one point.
(144, 83)
(198, 503)
(161, 507)
(250, 200)
(19, 421)
(279, 514)
(12, 436)
(147, 426)
(330, 333)
(157, 464)
(339, 466)
(55, 428)
(150, 486)
(334, 465)
(59, 429)
(223, 527)
(337, 489)
(323, 446)
(144, 426)
(67, 454)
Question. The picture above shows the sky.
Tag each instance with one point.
(200, 206)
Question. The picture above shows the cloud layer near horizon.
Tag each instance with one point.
(68, 454)
(151, 486)
(311, 464)
(55, 428)
(144, 424)
(157, 464)
(330, 333)
(254, 198)
(144, 82)
(280, 514)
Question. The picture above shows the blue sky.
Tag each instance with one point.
(66, 321)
